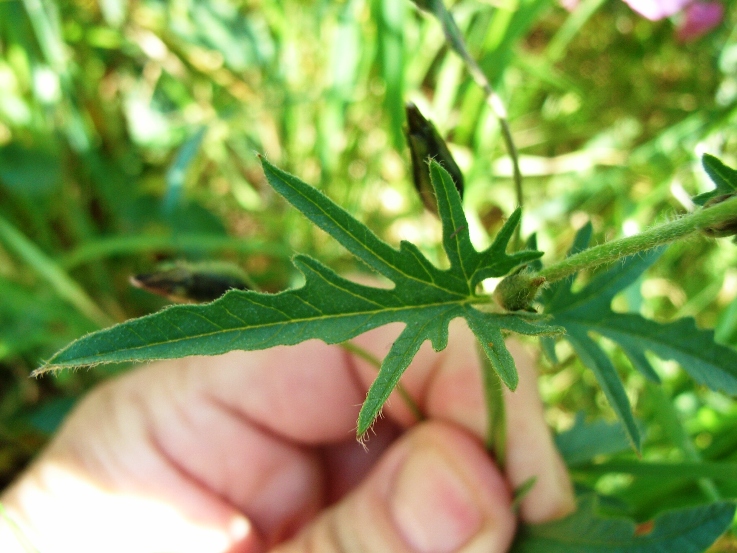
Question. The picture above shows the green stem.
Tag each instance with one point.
(454, 37)
(130, 245)
(647, 240)
(496, 429)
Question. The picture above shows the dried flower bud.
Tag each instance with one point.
(191, 283)
(424, 144)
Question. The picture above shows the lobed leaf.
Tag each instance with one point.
(589, 310)
(333, 309)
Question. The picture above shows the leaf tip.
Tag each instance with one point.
(42, 370)
(365, 426)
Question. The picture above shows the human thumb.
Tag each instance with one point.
(434, 491)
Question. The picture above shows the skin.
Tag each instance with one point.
(255, 451)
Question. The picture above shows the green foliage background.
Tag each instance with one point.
(128, 132)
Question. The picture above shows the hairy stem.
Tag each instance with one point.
(651, 238)
(496, 430)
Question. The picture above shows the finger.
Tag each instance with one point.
(101, 474)
(436, 490)
(178, 431)
(531, 452)
(264, 404)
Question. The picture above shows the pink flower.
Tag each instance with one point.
(700, 18)
(657, 9)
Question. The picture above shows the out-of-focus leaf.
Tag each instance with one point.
(726, 329)
(66, 287)
(389, 16)
(177, 172)
(35, 323)
(586, 440)
(29, 172)
(689, 530)
(221, 26)
(684, 470)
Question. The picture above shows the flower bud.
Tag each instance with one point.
(424, 144)
(517, 291)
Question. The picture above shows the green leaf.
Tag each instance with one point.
(333, 309)
(708, 362)
(725, 179)
(682, 470)
(689, 530)
(589, 310)
(596, 360)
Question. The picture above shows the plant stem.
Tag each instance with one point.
(454, 37)
(496, 430)
(651, 238)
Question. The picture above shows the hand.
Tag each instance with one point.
(255, 451)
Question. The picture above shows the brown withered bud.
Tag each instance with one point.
(725, 228)
(425, 143)
(190, 283)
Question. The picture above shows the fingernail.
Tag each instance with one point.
(432, 506)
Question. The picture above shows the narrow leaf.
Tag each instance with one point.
(598, 294)
(399, 357)
(596, 360)
(492, 342)
(349, 232)
(708, 362)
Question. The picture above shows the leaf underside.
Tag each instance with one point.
(588, 311)
(689, 530)
(334, 309)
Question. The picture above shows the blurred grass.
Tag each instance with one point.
(128, 132)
